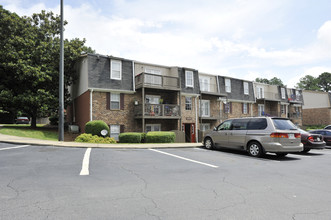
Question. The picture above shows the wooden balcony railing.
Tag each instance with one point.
(268, 96)
(157, 81)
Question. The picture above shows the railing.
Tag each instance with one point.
(295, 115)
(158, 110)
(158, 81)
(268, 113)
(267, 95)
(208, 87)
(295, 98)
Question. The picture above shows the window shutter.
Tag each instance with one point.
(121, 128)
(247, 108)
(108, 101)
(224, 108)
(230, 107)
(122, 101)
(242, 107)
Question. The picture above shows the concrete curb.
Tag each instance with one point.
(31, 141)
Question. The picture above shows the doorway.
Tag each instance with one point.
(189, 129)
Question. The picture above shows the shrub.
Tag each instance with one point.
(131, 137)
(160, 137)
(95, 127)
(89, 138)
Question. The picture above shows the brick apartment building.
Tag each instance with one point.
(132, 96)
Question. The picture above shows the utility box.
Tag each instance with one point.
(73, 128)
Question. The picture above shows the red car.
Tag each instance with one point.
(326, 135)
(22, 120)
(311, 141)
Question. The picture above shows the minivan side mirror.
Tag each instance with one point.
(214, 129)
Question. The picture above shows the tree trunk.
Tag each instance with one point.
(34, 121)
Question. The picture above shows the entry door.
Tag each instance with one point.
(189, 130)
(221, 135)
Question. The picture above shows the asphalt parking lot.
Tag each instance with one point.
(44, 182)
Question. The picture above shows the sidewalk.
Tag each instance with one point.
(32, 141)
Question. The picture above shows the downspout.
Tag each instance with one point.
(196, 119)
(91, 105)
(133, 77)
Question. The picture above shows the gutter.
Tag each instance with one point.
(91, 104)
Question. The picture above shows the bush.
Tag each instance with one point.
(89, 138)
(95, 127)
(160, 137)
(131, 137)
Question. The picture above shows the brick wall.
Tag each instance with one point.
(316, 116)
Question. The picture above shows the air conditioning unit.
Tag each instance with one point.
(73, 128)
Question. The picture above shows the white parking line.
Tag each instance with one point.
(9, 148)
(86, 163)
(183, 158)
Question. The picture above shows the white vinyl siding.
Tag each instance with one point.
(246, 88)
(227, 85)
(189, 81)
(116, 69)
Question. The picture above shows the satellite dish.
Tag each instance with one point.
(104, 132)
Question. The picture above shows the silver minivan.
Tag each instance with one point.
(256, 135)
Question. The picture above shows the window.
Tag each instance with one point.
(116, 70)
(257, 124)
(225, 125)
(204, 126)
(283, 124)
(227, 85)
(205, 108)
(260, 110)
(227, 107)
(205, 84)
(245, 108)
(246, 89)
(260, 92)
(188, 103)
(239, 124)
(115, 101)
(115, 131)
(189, 82)
(153, 127)
(282, 91)
(153, 79)
(283, 109)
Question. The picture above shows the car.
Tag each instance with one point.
(256, 135)
(328, 127)
(311, 141)
(325, 133)
(22, 120)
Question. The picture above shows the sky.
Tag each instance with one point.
(242, 39)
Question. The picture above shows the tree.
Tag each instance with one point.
(29, 63)
(308, 83)
(324, 81)
(273, 81)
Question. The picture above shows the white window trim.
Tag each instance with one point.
(260, 112)
(112, 100)
(282, 91)
(111, 133)
(111, 69)
(246, 88)
(260, 95)
(208, 113)
(189, 103)
(205, 83)
(245, 108)
(227, 85)
(188, 72)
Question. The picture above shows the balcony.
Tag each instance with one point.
(210, 89)
(158, 111)
(295, 98)
(210, 117)
(272, 96)
(149, 80)
(295, 115)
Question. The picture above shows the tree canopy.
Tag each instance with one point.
(29, 63)
(273, 81)
(320, 83)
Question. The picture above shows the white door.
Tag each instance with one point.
(205, 108)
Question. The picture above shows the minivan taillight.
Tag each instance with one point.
(297, 135)
(278, 135)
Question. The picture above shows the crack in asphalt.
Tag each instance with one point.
(9, 185)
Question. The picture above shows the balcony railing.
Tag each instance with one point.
(295, 98)
(269, 113)
(295, 115)
(157, 81)
(268, 96)
(158, 111)
(210, 117)
(208, 87)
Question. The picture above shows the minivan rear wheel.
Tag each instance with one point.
(255, 149)
(209, 143)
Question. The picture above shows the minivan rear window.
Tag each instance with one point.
(257, 124)
(283, 124)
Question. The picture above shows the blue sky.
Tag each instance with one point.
(240, 38)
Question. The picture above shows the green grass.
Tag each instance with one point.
(40, 132)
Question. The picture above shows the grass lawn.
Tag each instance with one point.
(41, 132)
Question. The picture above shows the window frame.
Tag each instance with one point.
(112, 75)
(246, 88)
(153, 127)
(245, 108)
(227, 83)
(187, 80)
(115, 101)
(188, 104)
(205, 83)
(204, 103)
(282, 92)
(113, 134)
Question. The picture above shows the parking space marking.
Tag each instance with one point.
(86, 163)
(9, 148)
(183, 158)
